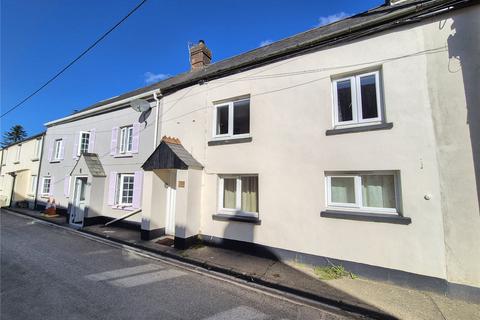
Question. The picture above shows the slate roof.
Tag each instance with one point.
(93, 164)
(24, 140)
(171, 155)
(366, 23)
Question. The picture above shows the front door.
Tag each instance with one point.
(170, 216)
(79, 201)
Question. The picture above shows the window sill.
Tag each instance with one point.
(35, 159)
(366, 216)
(373, 127)
(237, 218)
(123, 207)
(123, 155)
(230, 140)
(16, 162)
(55, 161)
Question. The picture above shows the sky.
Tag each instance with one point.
(38, 38)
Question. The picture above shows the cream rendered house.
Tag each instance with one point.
(355, 143)
(19, 169)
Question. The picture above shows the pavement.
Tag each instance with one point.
(49, 272)
(372, 298)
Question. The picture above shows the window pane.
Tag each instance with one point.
(378, 191)
(222, 120)
(129, 138)
(344, 100)
(369, 97)
(343, 189)
(241, 117)
(250, 194)
(229, 192)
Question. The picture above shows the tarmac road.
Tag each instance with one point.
(52, 273)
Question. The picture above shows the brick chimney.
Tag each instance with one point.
(200, 55)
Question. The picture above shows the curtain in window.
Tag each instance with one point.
(343, 189)
(229, 191)
(378, 191)
(250, 194)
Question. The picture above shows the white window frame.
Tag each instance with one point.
(357, 113)
(49, 186)
(230, 134)
(4, 158)
(126, 134)
(358, 205)
(81, 133)
(33, 183)
(238, 195)
(38, 148)
(57, 147)
(119, 197)
(18, 152)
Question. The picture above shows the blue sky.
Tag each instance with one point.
(38, 38)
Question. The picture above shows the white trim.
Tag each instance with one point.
(119, 188)
(238, 195)
(358, 205)
(79, 147)
(46, 194)
(57, 149)
(230, 134)
(356, 97)
(126, 134)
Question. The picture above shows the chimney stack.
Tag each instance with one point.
(200, 55)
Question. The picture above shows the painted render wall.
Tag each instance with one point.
(454, 83)
(27, 166)
(103, 125)
(290, 152)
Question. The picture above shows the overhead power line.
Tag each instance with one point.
(84, 52)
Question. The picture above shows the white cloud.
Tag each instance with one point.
(265, 43)
(151, 77)
(332, 18)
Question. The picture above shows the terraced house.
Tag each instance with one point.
(20, 163)
(357, 141)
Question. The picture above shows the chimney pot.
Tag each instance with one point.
(200, 55)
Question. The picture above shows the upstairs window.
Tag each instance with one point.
(18, 152)
(83, 143)
(356, 99)
(57, 150)
(232, 119)
(4, 157)
(126, 139)
(38, 149)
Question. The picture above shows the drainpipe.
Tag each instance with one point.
(35, 202)
(14, 176)
(156, 95)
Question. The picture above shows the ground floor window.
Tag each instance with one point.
(125, 188)
(33, 184)
(238, 194)
(46, 185)
(368, 191)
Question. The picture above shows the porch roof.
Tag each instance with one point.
(93, 164)
(170, 154)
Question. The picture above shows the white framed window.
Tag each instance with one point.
(376, 192)
(126, 139)
(46, 186)
(125, 187)
(83, 142)
(33, 183)
(38, 149)
(357, 99)
(238, 194)
(232, 119)
(18, 153)
(57, 149)
(4, 157)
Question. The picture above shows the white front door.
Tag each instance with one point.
(170, 210)
(79, 201)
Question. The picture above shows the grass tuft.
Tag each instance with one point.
(333, 272)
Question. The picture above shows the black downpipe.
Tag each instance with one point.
(14, 176)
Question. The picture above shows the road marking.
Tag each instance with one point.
(239, 313)
(147, 278)
(108, 275)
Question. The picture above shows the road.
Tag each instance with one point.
(52, 273)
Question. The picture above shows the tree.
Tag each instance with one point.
(16, 133)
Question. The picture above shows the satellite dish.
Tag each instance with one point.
(140, 105)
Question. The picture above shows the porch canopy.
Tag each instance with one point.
(170, 154)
